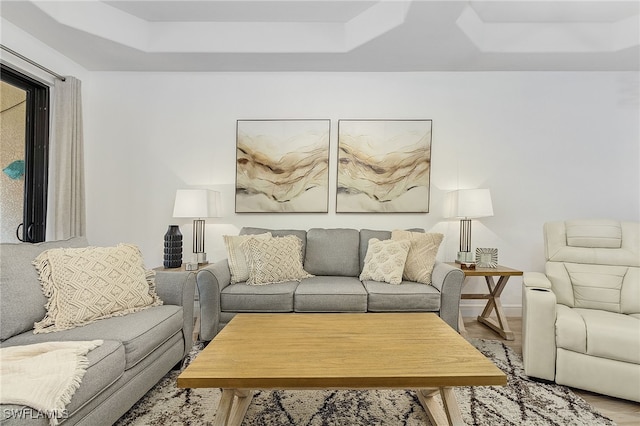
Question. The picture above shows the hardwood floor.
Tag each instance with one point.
(623, 412)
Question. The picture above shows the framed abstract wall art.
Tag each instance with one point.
(282, 166)
(384, 166)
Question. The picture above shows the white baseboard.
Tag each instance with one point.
(472, 310)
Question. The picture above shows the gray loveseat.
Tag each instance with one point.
(336, 258)
(138, 349)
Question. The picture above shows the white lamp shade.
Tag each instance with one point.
(198, 203)
(470, 203)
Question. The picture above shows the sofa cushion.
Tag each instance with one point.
(106, 365)
(385, 260)
(332, 252)
(598, 286)
(274, 260)
(19, 281)
(599, 333)
(594, 233)
(330, 294)
(90, 283)
(406, 297)
(247, 230)
(422, 254)
(140, 332)
(238, 265)
(263, 298)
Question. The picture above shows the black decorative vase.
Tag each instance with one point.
(173, 247)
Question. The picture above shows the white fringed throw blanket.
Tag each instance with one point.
(44, 376)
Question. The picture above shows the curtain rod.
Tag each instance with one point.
(24, 58)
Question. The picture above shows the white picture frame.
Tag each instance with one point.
(487, 257)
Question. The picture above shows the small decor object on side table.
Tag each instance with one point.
(191, 266)
(173, 247)
(487, 257)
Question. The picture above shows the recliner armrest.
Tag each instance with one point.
(538, 326)
(536, 280)
(211, 280)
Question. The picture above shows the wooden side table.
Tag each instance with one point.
(500, 325)
(180, 269)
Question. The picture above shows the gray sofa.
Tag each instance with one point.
(138, 349)
(336, 258)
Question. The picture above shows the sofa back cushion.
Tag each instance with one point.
(23, 302)
(333, 252)
(247, 230)
(594, 264)
(594, 234)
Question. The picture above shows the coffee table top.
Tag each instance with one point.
(339, 351)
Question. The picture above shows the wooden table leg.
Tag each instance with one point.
(224, 407)
(451, 407)
(438, 416)
(493, 304)
(232, 407)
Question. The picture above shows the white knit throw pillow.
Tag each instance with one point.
(274, 260)
(238, 263)
(422, 254)
(385, 260)
(91, 283)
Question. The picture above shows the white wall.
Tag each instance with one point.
(550, 146)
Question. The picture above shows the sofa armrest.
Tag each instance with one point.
(538, 326)
(211, 280)
(178, 288)
(449, 281)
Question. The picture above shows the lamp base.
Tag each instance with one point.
(465, 257)
(201, 258)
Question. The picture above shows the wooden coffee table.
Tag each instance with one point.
(339, 351)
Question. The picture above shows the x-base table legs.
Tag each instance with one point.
(493, 304)
(437, 416)
(233, 406)
(234, 403)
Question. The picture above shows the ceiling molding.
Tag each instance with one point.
(336, 35)
(549, 37)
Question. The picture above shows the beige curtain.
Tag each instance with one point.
(66, 163)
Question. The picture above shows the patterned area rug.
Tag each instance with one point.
(522, 402)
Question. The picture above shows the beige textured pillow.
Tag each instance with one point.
(385, 260)
(236, 258)
(274, 260)
(422, 254)
(91, 283)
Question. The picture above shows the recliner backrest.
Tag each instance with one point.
(594, 264)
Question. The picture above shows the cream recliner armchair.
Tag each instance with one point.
(581, 318)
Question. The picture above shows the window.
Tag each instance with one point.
(23, 182)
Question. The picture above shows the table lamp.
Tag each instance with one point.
(467, 204)
(197, 204)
